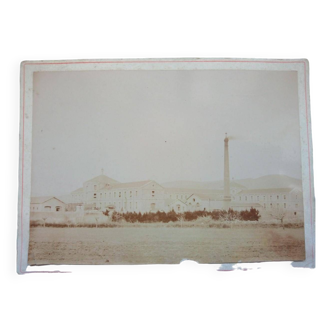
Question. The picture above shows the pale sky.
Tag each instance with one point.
(162, 125)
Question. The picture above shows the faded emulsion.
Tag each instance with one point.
(157, 166)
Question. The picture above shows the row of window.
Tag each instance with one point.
(118, 205)
(119, 194)
(178, 196)
(47, 208)
(115, 194)
(278, 205)
(258, 198)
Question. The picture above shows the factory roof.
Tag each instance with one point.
(193, 191)
(126, 185)
(43, 199)
(102, 179)
(79, 190)
(237, 185)
(130, 184)
(266, 191)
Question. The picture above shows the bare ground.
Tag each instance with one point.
(163, 245)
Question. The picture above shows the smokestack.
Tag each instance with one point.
(227, 191)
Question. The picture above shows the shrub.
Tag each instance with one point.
(251, 215)
(106, 213)
(116, 216)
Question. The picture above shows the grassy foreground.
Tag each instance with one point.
(202, 222)
(163, 245)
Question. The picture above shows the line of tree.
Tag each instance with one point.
(150, 217)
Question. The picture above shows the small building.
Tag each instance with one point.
(176, 205)
(205, 201)
(47, 204)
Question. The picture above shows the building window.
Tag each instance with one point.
(245, 198)
(270, 197)
(271, 205)
(101, 195)
(125, 193)
(240, 198)
(57, 208)
(153, 206)
(119, 193)
(136, 193)
(94, 195)
(194, 200)
(285, 205)
(284, 196)
(152, 193)
(277, 196)
(131, 194)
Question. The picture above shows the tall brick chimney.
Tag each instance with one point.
(227, 191)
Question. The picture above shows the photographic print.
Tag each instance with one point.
(156, 161)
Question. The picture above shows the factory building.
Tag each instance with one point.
(103, 192)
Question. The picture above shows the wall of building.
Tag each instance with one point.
(139, 199)
(52, 205)
(282, 200)
(153, 197)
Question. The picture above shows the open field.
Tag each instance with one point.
(163, 245)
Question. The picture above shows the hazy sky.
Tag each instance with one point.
(162, 125)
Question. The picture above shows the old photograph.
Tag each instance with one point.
(156, 163)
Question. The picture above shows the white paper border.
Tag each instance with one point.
(26, 118)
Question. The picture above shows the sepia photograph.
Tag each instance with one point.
(157, 162)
